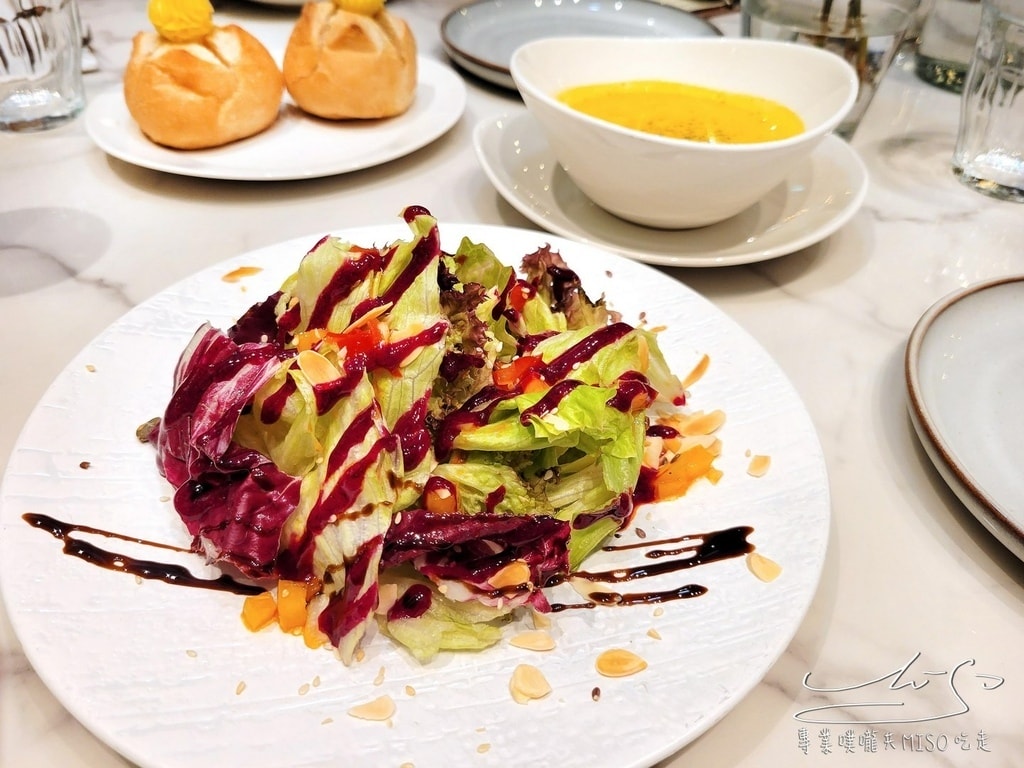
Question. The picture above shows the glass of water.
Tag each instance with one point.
(867, 33)
(40, 64)
(946, 43)
(989, 154)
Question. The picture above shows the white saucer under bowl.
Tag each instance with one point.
(818, 197)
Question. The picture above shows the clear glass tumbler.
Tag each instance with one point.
(40, 64)
(989, 154)
(946, 43)
(867, 33)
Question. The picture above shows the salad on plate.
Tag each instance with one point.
(422, 443)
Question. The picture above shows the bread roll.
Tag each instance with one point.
(339, 64)
(192, 95)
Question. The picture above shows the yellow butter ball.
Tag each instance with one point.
(181, 21)
(365, 7)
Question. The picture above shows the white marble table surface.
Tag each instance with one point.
(909, 574)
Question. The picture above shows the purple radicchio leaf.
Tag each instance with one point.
(232, 500)
(472, 548)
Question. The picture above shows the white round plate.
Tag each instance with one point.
(297, 146)
(480, 37)
(816, 199)
(169, 677)
(964, 368)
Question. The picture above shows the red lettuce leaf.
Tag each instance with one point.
(472, 548)
(233, 500)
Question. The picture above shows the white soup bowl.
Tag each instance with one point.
(669, 183)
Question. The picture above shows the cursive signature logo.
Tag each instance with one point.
(900, 696)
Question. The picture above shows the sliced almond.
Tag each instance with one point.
(379, 679)
(372, 315)
(759, 465)
(512, 575)
(702, 423)
(317, 368)
(709, 443)
(381, 708)
(653, 448)
(528, 683)
(541, 620)
(411, 357)
(697, 373)
(762, 567)
(386, 598)
(643, 354)
(237, 274)
(535, 640)
(407, 333)
(618, 662)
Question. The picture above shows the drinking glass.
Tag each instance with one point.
(40, 64)
(946, 42)
(867, 33)
(989, 154)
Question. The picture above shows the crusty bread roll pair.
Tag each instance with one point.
(225, 86)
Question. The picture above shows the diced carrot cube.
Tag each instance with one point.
(309, 339)
(259, 611)
(312, 636)
(291, 604)
(441, 499)
(674, 479)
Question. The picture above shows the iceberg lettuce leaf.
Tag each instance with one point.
(445, 625)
